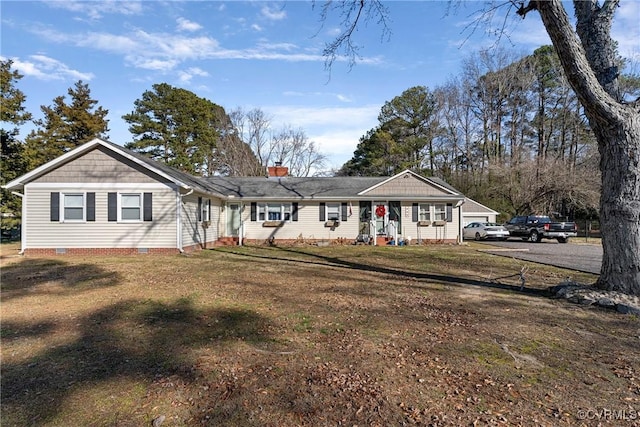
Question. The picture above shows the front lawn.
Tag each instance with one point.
(285, 336)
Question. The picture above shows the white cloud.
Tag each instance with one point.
(626, 31)
(96, 9)
(44, 68)
(164, 51)
(289, 47)
(336, 130)
(185, 76)
(256, 27)
(334, 32)
(186, 25)
(273, 13)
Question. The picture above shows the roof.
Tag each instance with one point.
(313, 187)
(471, 206)
(245, 187)
(181, 179)
(290, 187)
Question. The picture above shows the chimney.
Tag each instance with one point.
(278, 171)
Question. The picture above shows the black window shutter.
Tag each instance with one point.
(414, 212)
(294, 211)
(91, 206)
(199, 209)
(344, 211)
(449, 212)
(55, 207)
(209, 209)
(148, 206)
(112, 206)
(322, 209)
(254, 211)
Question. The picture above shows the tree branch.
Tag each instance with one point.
(574, 61)
(523, 10)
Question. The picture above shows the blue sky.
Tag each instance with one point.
(265, 55)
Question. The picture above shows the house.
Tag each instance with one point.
(101, 198)
(473, 211)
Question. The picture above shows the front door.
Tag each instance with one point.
(233, 219)
(381, 215)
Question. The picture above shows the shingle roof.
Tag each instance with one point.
(241, 187)
(188, 179)
(471, 206)
(290, 187)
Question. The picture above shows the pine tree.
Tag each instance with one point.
(175, 126)
(12, 113)
(66, 126)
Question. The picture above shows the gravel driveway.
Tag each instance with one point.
(578, 256)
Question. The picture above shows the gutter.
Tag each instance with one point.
(23, 223)
(179, 217)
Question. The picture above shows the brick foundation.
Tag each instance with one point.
(99, 251)
(112, 251)
(336, 242)
(198, 247)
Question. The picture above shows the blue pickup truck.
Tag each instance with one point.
(536, 227)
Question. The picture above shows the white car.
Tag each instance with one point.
(485, 231)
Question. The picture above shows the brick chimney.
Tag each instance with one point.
(278, 170)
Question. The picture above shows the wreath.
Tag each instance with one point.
(380, 210)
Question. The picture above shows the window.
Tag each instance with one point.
(273, 212)
(130, 207)
(204, 209)
(439, 212)
(73, 207)
(333, 211)
(425, 212)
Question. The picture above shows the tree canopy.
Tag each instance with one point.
(12, 114)
(185, 131)
(65, 126)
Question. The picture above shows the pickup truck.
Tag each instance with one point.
(536, 228)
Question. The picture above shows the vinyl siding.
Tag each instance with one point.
(100, 165)
(308, 225)
(192, 231)
(406, 185)
(410, 229)
(449, 231)
(43, 233)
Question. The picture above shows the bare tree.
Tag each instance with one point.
(289, 146)
(588, 58)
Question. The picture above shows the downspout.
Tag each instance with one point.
(460, 223)
(241, 234)
(179, 216)
(23, 224)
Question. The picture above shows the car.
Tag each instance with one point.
(538, 227)
(485, 231)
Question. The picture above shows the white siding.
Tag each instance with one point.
(449, 231)
(193, 232)
(308, 226)
(43, 233)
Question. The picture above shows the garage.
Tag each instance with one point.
(473, 211)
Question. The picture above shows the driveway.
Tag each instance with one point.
(577, 255)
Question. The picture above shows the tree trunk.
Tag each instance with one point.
(617, 128)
